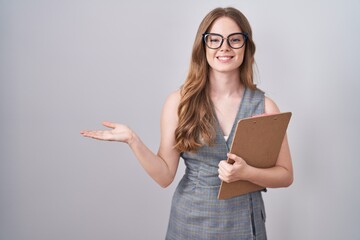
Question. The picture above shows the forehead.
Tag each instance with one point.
(224, 26)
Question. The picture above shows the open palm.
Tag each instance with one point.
(118, 132)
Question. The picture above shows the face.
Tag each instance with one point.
(225, 59)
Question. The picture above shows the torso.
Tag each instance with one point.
(226, 109)
(196, 213)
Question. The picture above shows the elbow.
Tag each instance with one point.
(287, 178)
(289, 181)
(165, 183)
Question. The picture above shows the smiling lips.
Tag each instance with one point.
(224, 59)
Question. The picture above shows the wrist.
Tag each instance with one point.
(132, 139)
(249, 173)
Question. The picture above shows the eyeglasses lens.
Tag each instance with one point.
(215, 41)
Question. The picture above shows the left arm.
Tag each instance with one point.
(281, 175)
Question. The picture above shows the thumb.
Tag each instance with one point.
(109, 124)
(234, 157)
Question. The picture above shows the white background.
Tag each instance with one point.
(68, 65)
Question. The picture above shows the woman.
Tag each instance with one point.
(197, 124)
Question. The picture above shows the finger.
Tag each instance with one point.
(85, 133)
(231, 158)
(222, 162)
(221, 166)
(234, 157)
(221, 173)
(223, 177)
(219, 176)
(100, 135)
(109, 124)
(224, 167)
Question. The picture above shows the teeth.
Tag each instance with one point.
(224, 58)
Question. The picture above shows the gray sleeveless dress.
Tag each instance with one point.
(196, 213)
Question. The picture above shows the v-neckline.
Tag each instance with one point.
(236, 119)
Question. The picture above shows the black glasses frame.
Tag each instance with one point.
(206, 34)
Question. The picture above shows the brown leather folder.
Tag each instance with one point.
(258, 141)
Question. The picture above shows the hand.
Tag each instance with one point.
(119, 132)
(233, 172)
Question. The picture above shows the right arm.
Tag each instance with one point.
(162, 166)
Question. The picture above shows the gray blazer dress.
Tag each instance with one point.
(196, 213)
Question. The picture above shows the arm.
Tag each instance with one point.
(281, 175)
(162, 166)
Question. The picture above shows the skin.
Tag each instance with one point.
(226, 93)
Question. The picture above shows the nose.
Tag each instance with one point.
(225, 46)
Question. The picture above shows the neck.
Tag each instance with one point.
(225, 84)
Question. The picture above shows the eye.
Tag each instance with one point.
(214, 39)
(236, 39)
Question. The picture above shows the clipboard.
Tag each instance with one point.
(258, 141)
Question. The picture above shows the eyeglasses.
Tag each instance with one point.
(234, 40)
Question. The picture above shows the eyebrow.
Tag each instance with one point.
(222, 34)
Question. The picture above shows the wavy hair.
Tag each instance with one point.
(195, 111)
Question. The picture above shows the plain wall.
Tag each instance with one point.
(68, 65)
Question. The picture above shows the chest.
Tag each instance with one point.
(226, 111)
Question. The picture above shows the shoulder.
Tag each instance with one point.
(173, 99)
(171, 104)
(270, 106)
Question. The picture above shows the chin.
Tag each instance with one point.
(226, 69)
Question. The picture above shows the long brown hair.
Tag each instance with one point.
(195, 111)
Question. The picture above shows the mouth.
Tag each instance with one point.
(224, 58)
